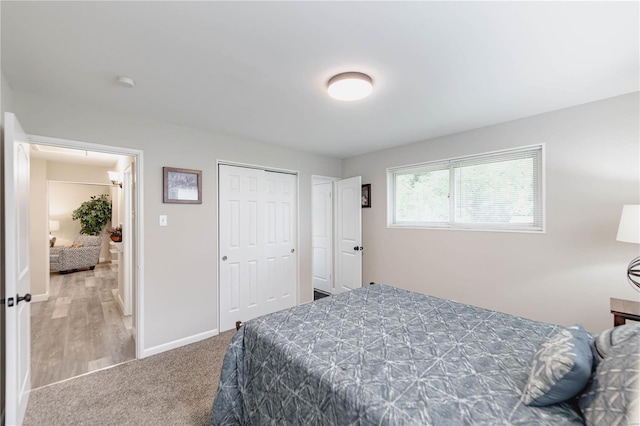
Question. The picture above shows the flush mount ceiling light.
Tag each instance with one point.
(125, 81)
(350, 86)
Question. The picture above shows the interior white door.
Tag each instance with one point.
(18, 274)
(257, 243)
(322, 236)
(126, 238)
(348, 234)
(241, 234)
(279, 291)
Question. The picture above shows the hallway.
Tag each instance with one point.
(80, 328)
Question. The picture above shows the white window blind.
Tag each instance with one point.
(496, 191)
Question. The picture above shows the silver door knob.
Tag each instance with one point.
(224, 258)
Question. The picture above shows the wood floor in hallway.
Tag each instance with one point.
(80, 328)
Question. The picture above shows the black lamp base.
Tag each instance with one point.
(633, 273)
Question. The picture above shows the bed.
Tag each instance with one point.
(382, 355)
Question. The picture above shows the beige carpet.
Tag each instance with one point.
(173, 388)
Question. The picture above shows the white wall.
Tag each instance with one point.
(71, 172)
(180, 259)
(564, 276)
(39, 228)
(117, 193)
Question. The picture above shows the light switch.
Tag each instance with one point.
(163, 220)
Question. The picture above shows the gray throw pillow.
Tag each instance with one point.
(612, 396)
(561, 368)
(612, 337)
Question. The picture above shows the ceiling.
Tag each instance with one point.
(74, 156)
(258, 70)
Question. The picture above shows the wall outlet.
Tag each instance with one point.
(163, 220)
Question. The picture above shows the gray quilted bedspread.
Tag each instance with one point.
(383, 356)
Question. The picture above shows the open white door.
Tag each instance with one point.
(127, 237)
(348, 234)
(18, 274)
(322, 227)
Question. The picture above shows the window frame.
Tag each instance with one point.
(450, 164)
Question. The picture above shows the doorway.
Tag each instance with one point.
(82, 321)
(17, 148)
(322, 212)
(258, 238)
(79, 323)
(336, 235)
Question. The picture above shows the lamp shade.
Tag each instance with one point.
(629, 229)
(54, 225)
(114, 176)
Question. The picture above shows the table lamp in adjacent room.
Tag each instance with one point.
(54, 225)
(629, 232)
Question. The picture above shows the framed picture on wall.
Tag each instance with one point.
(366, 195)
(182, 186)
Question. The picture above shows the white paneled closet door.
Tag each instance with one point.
(257, 248)
(280, 247)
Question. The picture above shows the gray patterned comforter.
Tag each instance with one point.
(383, 356)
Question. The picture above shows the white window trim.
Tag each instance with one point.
(469, 227)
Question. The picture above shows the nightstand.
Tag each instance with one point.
(623, 310)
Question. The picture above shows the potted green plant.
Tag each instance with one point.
(116, 234)
(93, 214)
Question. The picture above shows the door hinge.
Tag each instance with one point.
(9, 302)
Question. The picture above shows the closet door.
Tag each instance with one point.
(257, 243)
(280, 247)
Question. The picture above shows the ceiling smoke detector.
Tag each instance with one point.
(125, 81)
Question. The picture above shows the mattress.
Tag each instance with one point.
(385, 356)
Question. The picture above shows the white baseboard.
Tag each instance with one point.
(40, 297)
(154, 350)
(120, 303)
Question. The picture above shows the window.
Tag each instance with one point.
(496, 191)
